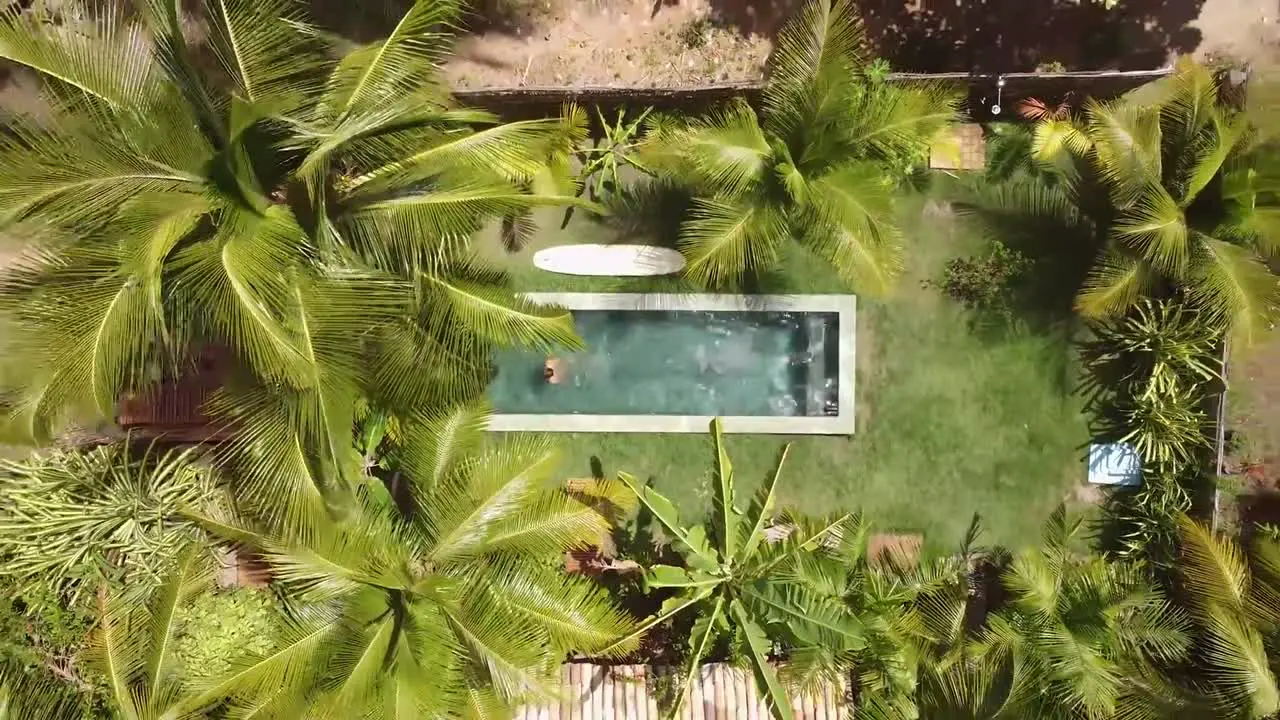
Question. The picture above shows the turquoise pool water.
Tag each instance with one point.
(686, 362)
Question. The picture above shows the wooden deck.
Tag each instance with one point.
(623, 692)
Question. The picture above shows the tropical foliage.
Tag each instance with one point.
(446, 599)
(745, 579)
(1149, 378)
(1161, 187)
(1081, 637)
(70, 520)
(260, 200)
(818, 164)
(1235, 601)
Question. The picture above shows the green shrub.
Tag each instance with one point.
(218, 626)
(984, 284)
(41, 639)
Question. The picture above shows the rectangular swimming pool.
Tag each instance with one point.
(669, 363)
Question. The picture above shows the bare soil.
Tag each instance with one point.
(645, 43)
(626, 43)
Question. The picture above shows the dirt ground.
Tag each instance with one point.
(645, 43)
(626, 42)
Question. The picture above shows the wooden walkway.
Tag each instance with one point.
(622, 692)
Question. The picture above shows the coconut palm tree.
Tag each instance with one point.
(306, 215)
(748, 581)
(1235, 603)
(1080, 637)
(446, 598)
(818, 164)
(1158, 190)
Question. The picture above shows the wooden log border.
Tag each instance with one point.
(531, 102)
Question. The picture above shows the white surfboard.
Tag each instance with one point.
(609, 260)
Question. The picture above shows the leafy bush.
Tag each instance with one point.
(41, 638)
(1147, 378)
(219, 626)
(984, 284)
(69, 520)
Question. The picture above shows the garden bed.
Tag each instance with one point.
(952, 419)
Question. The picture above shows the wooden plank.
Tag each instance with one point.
(650, 696)
(559, 708)
(729, 710)
(628, 692)
(575, 691)
(604, 677)
(723, 679)
(710, 676)
(595, 690)
(618, 681)
(754, 707)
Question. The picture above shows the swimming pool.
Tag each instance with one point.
(669, 363)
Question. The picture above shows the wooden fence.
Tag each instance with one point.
(630, 692)
(981, 89)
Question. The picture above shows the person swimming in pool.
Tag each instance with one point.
(553, 370)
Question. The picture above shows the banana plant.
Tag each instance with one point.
(601, 161)
(743, 578)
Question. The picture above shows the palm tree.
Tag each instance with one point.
(1080, 637)
(747, 581)
(307, 215)
(1159, 191)
(819, 163)
(1235, 604)
(133, 644)
(445, 599)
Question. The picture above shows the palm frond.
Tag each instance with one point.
(852, 225)
(1054, 137)
(1114, 284)
(1154, 226)
(510, 657)
(1126, 145)
(242, 285)
(259, 47)
(289, 669)
(1212, 153)
(825, 36)
(725, 242)
(84, 172)
(727, 153)
(514, 152)
(1233, 286)
(480, 306)
(405, 62)
(896, 125)
(436, 444)
(1239, 664)
(574, 612)
(100, 55)
(468, 509)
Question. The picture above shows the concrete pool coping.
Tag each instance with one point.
(845, 306)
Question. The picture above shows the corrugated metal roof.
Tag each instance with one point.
(625, 692)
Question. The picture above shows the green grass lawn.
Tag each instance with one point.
(952, 420)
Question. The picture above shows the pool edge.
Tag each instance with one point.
(844, 305)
